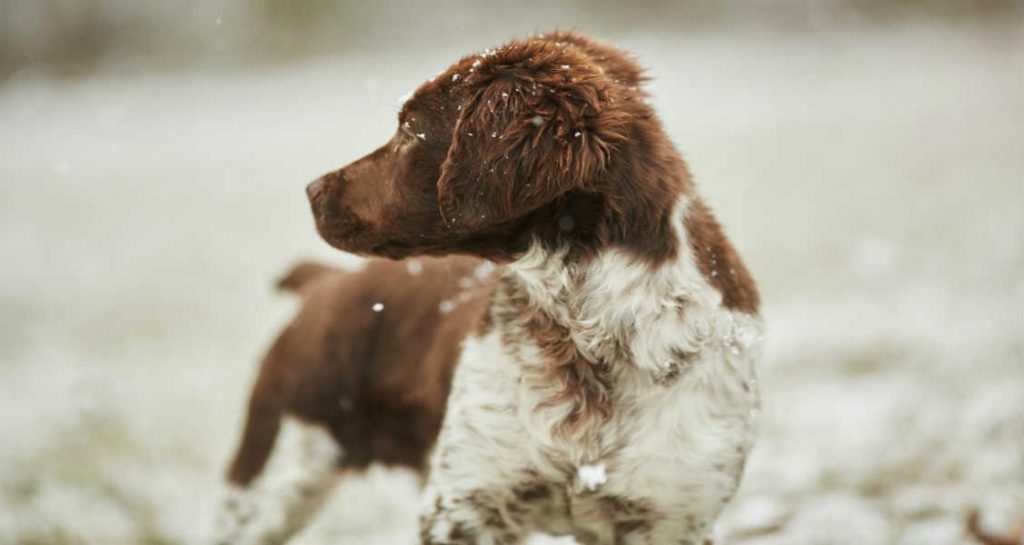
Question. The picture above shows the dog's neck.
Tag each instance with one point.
(600, 296)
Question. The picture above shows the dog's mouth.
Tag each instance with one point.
(353, 238)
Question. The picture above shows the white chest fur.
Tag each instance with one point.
(678, 394)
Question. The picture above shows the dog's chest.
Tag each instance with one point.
(593, 376)
(670, 443)
(626, 391)
(633, 400)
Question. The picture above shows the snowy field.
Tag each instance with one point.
(874, 181)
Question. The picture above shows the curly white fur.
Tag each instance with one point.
(672, 450)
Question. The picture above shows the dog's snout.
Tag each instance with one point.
(314, 188)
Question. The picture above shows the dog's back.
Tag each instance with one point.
(367, 359)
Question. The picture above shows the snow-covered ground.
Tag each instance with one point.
(874, 182)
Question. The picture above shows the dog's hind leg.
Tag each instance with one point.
(295, 484)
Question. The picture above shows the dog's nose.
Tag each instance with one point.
(314, 188)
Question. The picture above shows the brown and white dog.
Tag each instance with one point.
(601, 378)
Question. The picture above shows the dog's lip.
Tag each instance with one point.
(351, 239)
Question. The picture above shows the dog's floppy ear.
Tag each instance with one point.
(538, 119)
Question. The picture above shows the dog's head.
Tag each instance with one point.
(506, 146)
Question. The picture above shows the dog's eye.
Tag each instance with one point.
(408, 136)
(402, 140)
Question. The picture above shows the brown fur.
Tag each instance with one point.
(584, 386)
(500, 165)
(547, 139)
(719, 262)
(378, 381)
(501, 162)
(303, 275)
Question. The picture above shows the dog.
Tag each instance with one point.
(599, 382)
(360, 375)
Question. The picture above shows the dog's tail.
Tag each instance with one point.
(262, 425)
(301, 275)
(266, 404)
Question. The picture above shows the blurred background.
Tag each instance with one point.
(867, 158)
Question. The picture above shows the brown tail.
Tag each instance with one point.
(265, 405)
(301, 274)
(261, 427)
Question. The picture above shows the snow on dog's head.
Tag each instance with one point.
(534, 140)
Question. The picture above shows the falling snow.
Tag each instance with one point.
(891, 381)
(484, 270)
